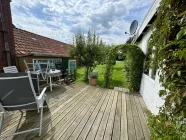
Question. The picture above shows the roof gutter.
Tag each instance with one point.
(43, 55)
(146, 21)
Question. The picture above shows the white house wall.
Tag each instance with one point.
(149, 88)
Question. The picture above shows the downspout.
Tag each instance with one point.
(5, 36)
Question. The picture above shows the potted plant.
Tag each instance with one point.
(93, 78)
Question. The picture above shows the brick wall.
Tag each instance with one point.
(6, 34)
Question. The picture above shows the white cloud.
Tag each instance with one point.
(60, 19)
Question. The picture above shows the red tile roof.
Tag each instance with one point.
(27, 43)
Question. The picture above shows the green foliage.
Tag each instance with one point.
(103, 52)
(87, 51)
(117, 76)
(168, 46)
(93, 74)
(133, 66)
(110, 61)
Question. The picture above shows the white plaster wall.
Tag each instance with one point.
(149, 88)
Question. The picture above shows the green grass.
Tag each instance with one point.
(117, 77)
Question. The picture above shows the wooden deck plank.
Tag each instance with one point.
(29, 115)
(61, 97)
(28, 118)
(142, 118)
(64, 123)
(130, 119)
(124, 131)
(80, 123)
(144, 108)
(64, 113)
(109, 127)
(79, 112)
(53, 114)
(97, 119)
(103, 124)
(13, 122)
(83, 124)
(62, 90)
(87, 107)
(137, 123)
(117, 121)
(86, 129)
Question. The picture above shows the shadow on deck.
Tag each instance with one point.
(79, 112)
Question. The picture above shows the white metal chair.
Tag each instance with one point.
(27, 65)
(41, 72)
(44, 68)
(10, 69)
(18, 93)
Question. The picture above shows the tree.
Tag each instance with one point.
(104, 49)
(87, 51)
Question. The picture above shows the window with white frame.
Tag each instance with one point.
(51, 62)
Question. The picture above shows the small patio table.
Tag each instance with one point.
(53, 73)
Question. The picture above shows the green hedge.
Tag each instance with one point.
(133, 66)
(110, 61)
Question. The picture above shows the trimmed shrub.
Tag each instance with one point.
(133, 66)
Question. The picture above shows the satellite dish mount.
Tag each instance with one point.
(133, 27)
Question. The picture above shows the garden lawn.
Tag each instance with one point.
(117, 77)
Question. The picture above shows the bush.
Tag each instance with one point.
(133, 66)
(110, 62)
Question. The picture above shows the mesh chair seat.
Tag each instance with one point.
(18, 93)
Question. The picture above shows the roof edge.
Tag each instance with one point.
(40, 35)
(148, 17)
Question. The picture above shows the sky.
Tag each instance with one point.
(61, 19)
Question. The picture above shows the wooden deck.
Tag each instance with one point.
(79, 112)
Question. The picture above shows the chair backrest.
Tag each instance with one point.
(29, 66)
(34, 76)
(17, 91)
(59, 66)
(10, 69)
(35, 81)
(44, 69)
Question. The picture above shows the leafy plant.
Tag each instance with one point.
(87, 51)
(168, 53)
(110, 61)
(133, 66)
(93, 74)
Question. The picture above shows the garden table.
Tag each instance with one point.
(53, 73)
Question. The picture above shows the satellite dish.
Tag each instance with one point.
(133, 27)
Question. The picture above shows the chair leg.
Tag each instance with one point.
(41, 121)
(19, 120)
(50, 83)
(2, 121)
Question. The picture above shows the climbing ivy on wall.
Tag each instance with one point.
(168, 48)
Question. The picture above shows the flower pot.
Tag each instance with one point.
(93, 82)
